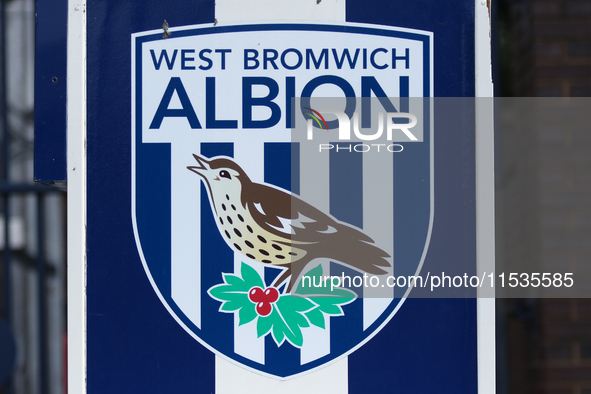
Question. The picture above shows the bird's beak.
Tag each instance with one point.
(202, 167)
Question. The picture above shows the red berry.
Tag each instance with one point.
(256, 294)
(271, 294)
(263, 299)
(264, 308)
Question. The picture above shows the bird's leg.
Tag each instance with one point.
(280, 279)
(295, 275)
(294, 271)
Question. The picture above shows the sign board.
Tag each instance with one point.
(233, 154)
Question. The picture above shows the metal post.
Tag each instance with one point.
(41, 295)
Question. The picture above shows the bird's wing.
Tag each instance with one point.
(286, 215)
(269, 207)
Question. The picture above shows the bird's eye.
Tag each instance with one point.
(225, 174)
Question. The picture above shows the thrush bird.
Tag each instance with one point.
(275, 227)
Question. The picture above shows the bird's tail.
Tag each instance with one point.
(366, 257)
(356, 250)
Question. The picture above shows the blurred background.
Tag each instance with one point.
(540, 48)
(32, 226)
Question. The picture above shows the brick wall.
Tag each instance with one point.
(552, 42)
(544, 197)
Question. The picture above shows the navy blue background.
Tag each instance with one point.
(134, 344)
(50, 91)
(431, 343)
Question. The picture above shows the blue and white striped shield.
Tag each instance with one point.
(334, 120)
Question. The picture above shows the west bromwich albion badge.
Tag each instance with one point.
(300, 165)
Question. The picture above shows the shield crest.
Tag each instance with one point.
(272, 103)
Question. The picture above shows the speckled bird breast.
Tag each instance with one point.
(245, 236)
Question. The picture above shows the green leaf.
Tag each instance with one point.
(289, 326)
(235, 281)
(246, 315)
(264, 324)
(292, 309)
(221, 292)
(278, 332)
(218, 291)
(227, 293)
(233, 293)
(286, 320)
(251, 276)
(316, 317)
(328, 301)
(299, 304)
(294, 320)
(230, 307)
(328, 306)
